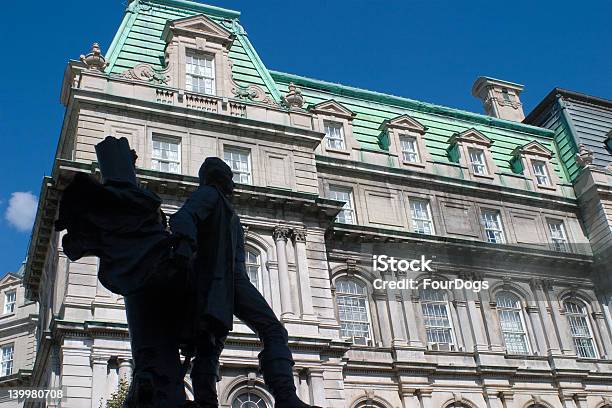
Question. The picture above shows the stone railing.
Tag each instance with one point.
(202, 102)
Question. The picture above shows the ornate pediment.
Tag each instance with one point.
(533, 148)
(404, 122)
(197, 26)
(471, 136)
(332, 108)
(9, 278)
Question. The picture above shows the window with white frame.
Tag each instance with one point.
(420, 212)
(347, 214)
(253, 267)
(558, 236)
(477, 161)
(334, 135)
(512, 323)
(353, 311)
(249, 399)
(493, 226)
(239, 161)
(200, 73)
(540, 172)
(410, 150)
(6, 364)
(166, 154)
(10, 298)
(437, 320)
(580, 329)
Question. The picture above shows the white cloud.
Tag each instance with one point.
(21, 210)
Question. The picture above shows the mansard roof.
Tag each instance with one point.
(139, 40)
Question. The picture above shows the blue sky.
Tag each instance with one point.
(426, 50)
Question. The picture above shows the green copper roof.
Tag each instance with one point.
(138, 39)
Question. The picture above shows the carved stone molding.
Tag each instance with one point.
(94, 60)
(294, 98)
(147, 73)
(299, 234)
(279, 232)
(584, 157)
(247, 92)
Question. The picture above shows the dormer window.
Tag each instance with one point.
(410, 150)
(334, 135)
(533, 160)
(477, 161)
(539, 170)
(200, 73)
(403, 135)
(471, 150)
(505, 94)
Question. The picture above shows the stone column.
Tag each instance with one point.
(549, 330)
(494, 400)
(606, 341)
(318, 387)
(125, 369)
(99, 366)
(380, 299)
(410, 398)
(299, 239)
(411, 319)
(425, 395)
(463, 334)
(491, 321)
(560, 320)
(475, 318)
(280, 235)
(394, 303)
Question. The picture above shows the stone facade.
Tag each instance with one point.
(485, 198)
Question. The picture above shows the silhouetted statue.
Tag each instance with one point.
(208, 229)
(123, 225)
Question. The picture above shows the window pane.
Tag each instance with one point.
(347, 215)
(200, 73)
(239, 161)
(477, 161)
(410, 151)
(580, 330)
(166, 155)
(421, 217)
(352, 303)
(334, 135)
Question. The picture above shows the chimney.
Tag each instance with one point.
(501, 99)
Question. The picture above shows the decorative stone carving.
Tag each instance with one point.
(280, 232)
(147, 73)
(584, 157)
(249, 92)
(294, 98)
(94, 60)
(299, 235)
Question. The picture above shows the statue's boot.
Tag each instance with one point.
(278, 376)
(205, 390)
(141, 392)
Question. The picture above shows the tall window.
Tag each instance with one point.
(10, 298)
(347, 215)
(240, 162)
(436, 316)
(253, 267)
(410, 151)
(421, 216)
(512, 323)
(166, 155)
(248, 399)
(477, 161)
(352, 302)
(558, 236)
(580, 329)
(505, 94)
(493, 226)
(200, 73)
(540, 172)
(6, 362)
(334, 135)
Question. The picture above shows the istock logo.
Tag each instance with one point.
(384, 263)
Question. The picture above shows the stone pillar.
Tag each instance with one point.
(536, 336)
(411, 319)
(380, 299)
(280, 235)
(547, 324)
(464, 332)
(425, 395)
(394, 303)
(318, 387)
(475, 318)
(491, 321)
(99, 366)
(560, 320)
(299, 239)
(125, 369)
(410, 398)
(494, 399)
(606, 341)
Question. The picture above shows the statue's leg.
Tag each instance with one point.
(205, 369)
(275, 359)
(157, 378)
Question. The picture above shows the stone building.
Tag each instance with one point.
(18, 318)
(329, 175)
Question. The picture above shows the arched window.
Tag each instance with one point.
(369, 404)
(512, 323)
(456, 405)
(436, 316)
(352, 302)
(249, 399)
(578, 321)
(253, 267)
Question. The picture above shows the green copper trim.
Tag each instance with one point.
(202, 8)
(121, 35)
(257, 62)
(348, 91)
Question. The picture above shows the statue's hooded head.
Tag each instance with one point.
(216, 172)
